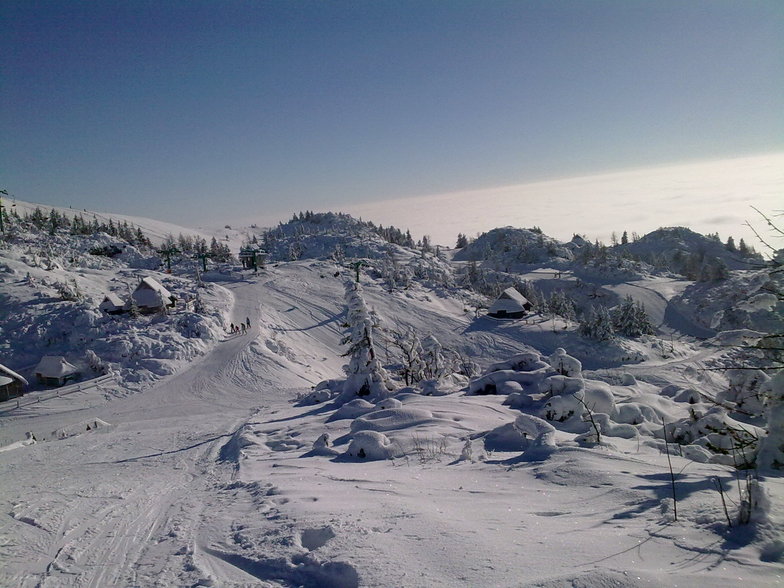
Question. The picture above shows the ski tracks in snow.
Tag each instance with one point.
(146, 501)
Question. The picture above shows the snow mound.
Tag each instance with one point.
(28, 440)
(528, 361)
(233, 450)
(494, 382)
(392, 419)
(352, 409)
(370, 445)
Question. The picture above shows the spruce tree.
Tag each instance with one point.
(365, 374)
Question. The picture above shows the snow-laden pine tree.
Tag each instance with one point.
(630, 319)
(597, 324)
(365, 376)
(560, 304)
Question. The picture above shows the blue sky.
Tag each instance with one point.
(196, 111)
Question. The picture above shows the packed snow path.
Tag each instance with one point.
(119, 506)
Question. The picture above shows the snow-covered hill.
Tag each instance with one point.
(155, 229)
(491, 452)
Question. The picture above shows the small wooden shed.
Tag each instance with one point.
(151, 296)
(54, 370)
(112, 304)
(11, 383)
(510, 305)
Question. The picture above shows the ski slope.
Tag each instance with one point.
(209, 477)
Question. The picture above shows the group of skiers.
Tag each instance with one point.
(240, 329)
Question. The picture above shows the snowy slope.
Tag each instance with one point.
(156, 230)
(211, 477)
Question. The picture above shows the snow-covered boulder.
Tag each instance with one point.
(561, 408)
(352, 409)
(489, 383)
(599, 397)
(560, 385)
(575, 397)
(635, 413)
(369, 445)
(610, 428)
(688, 396)
(388, 403)
(565, 364)
(541, 433)
(322, 446)
(506, 438)
(509, 387)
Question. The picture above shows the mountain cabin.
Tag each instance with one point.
(510, 305)
(112, 304)
(54, 370)
(150, 296)
(11, 383)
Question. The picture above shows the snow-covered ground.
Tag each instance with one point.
(213, 476)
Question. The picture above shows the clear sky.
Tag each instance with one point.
(195, 111)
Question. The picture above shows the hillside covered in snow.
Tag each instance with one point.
(352, 412)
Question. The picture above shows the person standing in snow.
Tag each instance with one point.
(247, 321)
(232, 328)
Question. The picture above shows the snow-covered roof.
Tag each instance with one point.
(148, 291)
(55, 366)
(510, 300)
(111, 300)
(11, 374)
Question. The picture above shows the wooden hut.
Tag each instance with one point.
(510, 305)
(151, 296)
(112, 304)
(11, 383)
(54, 370)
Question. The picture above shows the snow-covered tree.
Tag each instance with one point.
(365, 374)
(631, 320)
(560, 304)
(96, 363)
(68, 290)
(565, 364)
(731, 245)
(410, 350)
(198, 304)
(435, 362)
(597, 324)
(746, 390)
